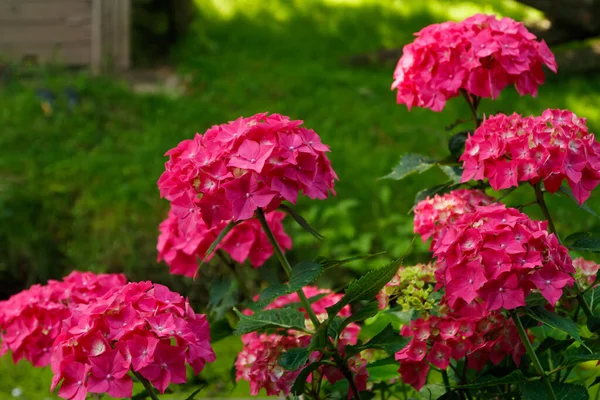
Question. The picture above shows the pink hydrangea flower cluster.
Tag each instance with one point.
(258, 362)
(553, 147)
(586, 271)
(236, 168)
(481, 55)
(434, 212)
(470, 331)
(181, 250)
(31, 319)
(141, 327)
(499, 255)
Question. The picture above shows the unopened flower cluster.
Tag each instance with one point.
(140, 327)
(236, 168)
(499, 255)
(470, 331)
(247, 241)
(553, 147)
(410, 288)
(433, 213)
(585, 271)
(258, 362)
(32, 319)
(481, 55)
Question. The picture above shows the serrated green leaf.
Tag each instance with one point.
(515, 376)
(294, 358)
(584, 241)
(554, 321)
(454, 172)
(215, 243)
(366, 287)
(388, 340)
(456, 144)
(299, 384)
(320, 338)
(410, 164)
(276, 318)
(303, 274)
(579, 355)
(194, 393)
(366, 311)
(301, 221)
(536, 390)
(566, 190)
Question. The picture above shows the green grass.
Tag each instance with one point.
(78, 189)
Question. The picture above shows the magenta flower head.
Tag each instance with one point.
(258, 362)
(499, 255)
(31, 319)
(181, 250)
(481, 55)
(141, 327)
(553, 147)
(433, 213)
(235, 168)
(469, 331)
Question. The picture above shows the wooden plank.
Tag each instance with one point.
(78, 53)
(51, 33)
(43, 9)
(96, 37)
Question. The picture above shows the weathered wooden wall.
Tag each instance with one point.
(73, 32)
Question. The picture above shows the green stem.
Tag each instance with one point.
(539, 196)
(531, 353)
(473, 104)
(445, 378)
(286, 265)
(347, 374)
(147, 385)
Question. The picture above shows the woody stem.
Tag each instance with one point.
(531, 353)
(147, 385)
(286, 265)
(539, 196)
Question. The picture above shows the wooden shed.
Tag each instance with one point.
(94, 33)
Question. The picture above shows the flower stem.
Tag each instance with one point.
(539, 196)
(286, 265)
(473, 104)
(147, 385)
(531, 353)
(445, 378)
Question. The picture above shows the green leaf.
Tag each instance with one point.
(330, 263)
(578, 355)
(366, 287)
(383, 370)
(456, 144)
(301, 221)
(554, 345)
(222, 296)
(194, 393)
(299, 384)
(584, 241)
(287, 318)
(432, 191)
(536, 390)
(319, 339)
(294, 358)
(220, 329)
(214, 244)
(536, 299)
(566, 190)
(554, 321)
(593, 324)
(515, 376)
(388, 340)
(365, 311)
(303, 274)
(454, 172)
(596, 381)
(410, 164)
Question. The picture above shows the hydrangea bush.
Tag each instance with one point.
(503, 308)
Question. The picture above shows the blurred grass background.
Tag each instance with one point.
(78, 186)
